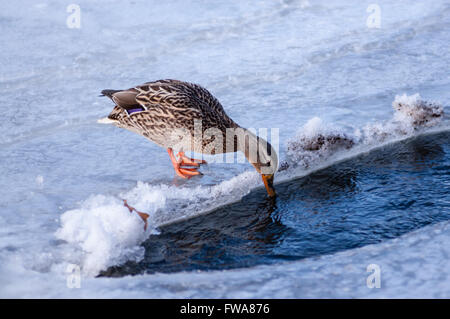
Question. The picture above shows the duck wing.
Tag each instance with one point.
(175, 101)
(125, 99)
(184, 101)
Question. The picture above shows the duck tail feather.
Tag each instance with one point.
(109, 93)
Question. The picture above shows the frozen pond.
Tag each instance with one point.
(307, 68)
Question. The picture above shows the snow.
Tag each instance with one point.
(104, 233)
(414, 265)
(311, 68)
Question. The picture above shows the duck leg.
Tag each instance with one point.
(183, 171)
(144, 216)
(190, 161)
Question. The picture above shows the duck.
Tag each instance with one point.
(186, 117)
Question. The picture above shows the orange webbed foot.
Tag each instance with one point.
(144, 216)
(184, 166)
(187, 161)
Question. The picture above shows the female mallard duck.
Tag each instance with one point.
(187, 117)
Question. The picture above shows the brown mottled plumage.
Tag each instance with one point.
(166, 111)
(168, 105)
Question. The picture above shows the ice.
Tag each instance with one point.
(104, 233)
(317, 142)
(411, 114)
(417, 112)
(311, 68)
(413, 266)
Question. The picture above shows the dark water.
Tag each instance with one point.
(373, 197)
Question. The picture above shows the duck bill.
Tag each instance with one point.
(268, 183)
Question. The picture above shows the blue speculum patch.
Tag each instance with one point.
(131, 111)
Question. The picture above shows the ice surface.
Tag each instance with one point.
(275, 64)
(317, 142)
(106, 234)
(414, 265)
